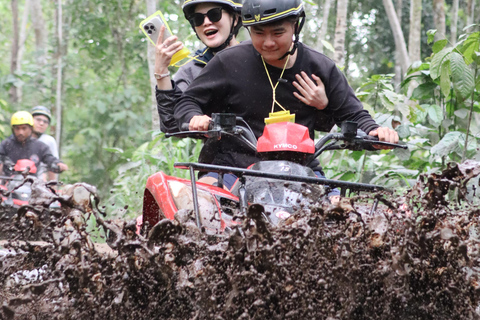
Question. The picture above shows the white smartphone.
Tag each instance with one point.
(151, 27)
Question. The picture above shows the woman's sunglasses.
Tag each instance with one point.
(214, 15)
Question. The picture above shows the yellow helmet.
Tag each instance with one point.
(21, 117)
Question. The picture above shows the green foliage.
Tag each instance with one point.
(378, 95)
(137, 164)
(4, 120)
(448, 92)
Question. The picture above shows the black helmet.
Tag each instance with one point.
(266, 11)
(234, 7)
(255, 12)
(41, 110)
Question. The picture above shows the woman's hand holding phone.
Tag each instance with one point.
(168, 51)
(165, 50)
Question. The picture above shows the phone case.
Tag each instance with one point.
(151, 28)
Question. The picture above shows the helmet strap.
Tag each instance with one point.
(298, 28)
(39, 134)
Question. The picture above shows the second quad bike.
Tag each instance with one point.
(15, 189)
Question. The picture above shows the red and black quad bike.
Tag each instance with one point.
(281, 182)
(16, 187)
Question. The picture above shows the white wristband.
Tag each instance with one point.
(161, 76)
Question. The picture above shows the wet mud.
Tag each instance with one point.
(416, 257)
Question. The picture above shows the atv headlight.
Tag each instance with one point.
(183, 199)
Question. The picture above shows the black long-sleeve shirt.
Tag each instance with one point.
(235, 81)
(166, 99)
(32, 149)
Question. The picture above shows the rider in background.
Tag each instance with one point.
(21, 145)
(216, 23)
(272, 72)
(42, 118)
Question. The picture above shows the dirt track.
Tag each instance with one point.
(100, 247)
(418, 257)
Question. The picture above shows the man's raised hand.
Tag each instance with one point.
(309, 92)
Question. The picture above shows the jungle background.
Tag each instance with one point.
(414, 65)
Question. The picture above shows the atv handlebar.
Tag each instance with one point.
(356, 142)
(226, 124)
(222, 124)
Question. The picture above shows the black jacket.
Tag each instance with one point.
(235, 81)
(166, 99)
(32, 149)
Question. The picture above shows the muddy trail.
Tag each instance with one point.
(416, 257)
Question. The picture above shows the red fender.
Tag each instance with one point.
(158, 200)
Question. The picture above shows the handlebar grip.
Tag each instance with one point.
(185, 126)
(370, 142)
(370, 138)
(54, 168)
(368, 145)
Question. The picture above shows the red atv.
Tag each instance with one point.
(16, 188)
(19, 193)
(281, 183)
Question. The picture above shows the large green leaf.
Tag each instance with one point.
(437, 61)
(469, 46)
(462, 76)
(462, 113)
(403, 131)
(435, 115)
(439, 45)
(402, 154)
(449, 143)
(424, 91)
(445, 83)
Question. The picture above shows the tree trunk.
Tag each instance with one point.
(340, 30)
(439, 19)
(58, 105)
(40, 31)
(415, 30)
(470, 11)
(454, 22)
(400, 44)
(397, 80)
(21, 45)
(15, 48)
(324, 28)
(151, 8)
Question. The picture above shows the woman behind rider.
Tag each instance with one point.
(215, 29)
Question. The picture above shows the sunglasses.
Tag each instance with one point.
(42, 120)
(214, 15)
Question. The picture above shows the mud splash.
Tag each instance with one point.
(417, 257)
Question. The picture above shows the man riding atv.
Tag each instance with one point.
(272, 71)
(21, 145)
(41, 120)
